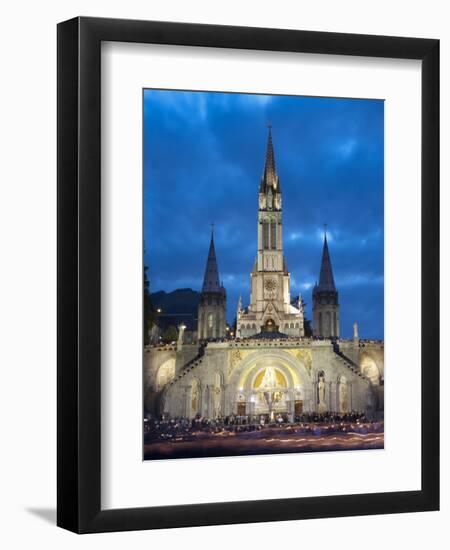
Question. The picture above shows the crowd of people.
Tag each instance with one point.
(306, 423)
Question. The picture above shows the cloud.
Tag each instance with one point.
(203, 160)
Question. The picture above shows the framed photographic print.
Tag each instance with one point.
(248, 307)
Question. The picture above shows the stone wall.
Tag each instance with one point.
(222, 380)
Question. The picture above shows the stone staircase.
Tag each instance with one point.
(190, 365)
(348, 363)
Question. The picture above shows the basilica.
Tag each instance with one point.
(270, 365)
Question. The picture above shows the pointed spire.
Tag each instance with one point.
(270, 178)
(239, 307)
(326, 280)
(211, 279)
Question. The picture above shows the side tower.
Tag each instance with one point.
(325, 299)
(212, 307)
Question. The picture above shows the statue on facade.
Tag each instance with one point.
(321, 391)
(217, 402)
(269, 379)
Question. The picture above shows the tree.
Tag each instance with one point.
(170, 335)
(306, 322)
(149, 310)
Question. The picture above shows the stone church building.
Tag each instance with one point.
(268, 366)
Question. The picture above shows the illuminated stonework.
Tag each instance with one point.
(270, 304)
(269, 366)
(254, 378)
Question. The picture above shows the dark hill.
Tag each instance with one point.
(180, 301)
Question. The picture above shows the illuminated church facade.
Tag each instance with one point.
(269, 366)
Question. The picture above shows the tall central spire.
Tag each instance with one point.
(211, 280)
(270, 295)
(326, 280)
(270, 178)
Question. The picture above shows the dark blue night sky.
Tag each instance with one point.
(203, 159)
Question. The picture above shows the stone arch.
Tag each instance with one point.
(294, 364)
(165, 373)
(257, 370)
(292, 368)
(370, 369)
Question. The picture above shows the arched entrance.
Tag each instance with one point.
(269, 392)
(165, 374)
(270, 384)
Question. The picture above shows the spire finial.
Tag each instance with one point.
(325, 225)
(212, 229)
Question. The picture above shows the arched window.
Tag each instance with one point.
(273, 235)
(328, 324)
(195, 398)
(343, 395)
(265, 234)
(320, 324)
(218, 325)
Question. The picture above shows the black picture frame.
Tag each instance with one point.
(79, 280)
